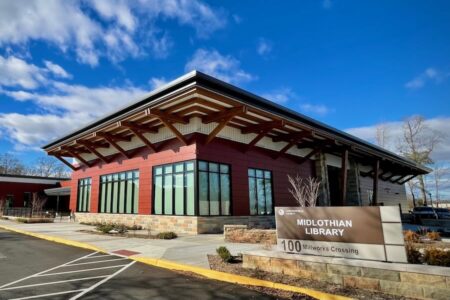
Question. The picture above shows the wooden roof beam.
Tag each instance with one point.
(112, 140)
(77, 156)
(309, 155)
(139, 127)
(144, 139)
(284, 149)
(263, 127)
(292, 137)
(60, 158)
(91, 147)
(167, 117)
(224, 119)
(225, 115)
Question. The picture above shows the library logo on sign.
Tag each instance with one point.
(281, 212)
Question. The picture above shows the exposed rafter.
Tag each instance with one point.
(60, 158)
(309, 155)
(292, 137)
(284, 149)
(263, 127)
(91, 147)
(139, 127)
(223, 118)
(405, 180)
(112, 140)
(224, 115)
(167, 120)
(165, 117)
(77, 156)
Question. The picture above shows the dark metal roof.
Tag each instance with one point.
(209, 82)
(61, 191)
(34, 177)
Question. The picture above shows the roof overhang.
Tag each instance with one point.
(214, 102)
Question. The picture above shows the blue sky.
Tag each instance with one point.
(350, 64)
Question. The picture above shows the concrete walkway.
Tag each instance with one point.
(189, 250)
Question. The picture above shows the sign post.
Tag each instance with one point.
(372, 233)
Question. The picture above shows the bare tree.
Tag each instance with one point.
(382, 136)
(49, 167)
(417, 144)
(439, 176)
(304, 190)
(9, 164)
(37, 203)
(2, 205)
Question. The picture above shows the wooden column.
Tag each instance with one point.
(376, 171)
(344, 164)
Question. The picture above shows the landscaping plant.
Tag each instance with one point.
(224, 254)
(411, 236)
(433, 235)
(167, 235)
(437, 257)
(413, 255)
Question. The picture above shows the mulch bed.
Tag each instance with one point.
(129, 234)
(216, 263)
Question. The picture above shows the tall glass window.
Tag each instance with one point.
(214, 189)
(260, 192)
(84, 195)
(174, 189)
(119, 193)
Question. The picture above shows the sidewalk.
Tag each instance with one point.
(189, 250)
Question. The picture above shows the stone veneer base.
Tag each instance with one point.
(178, 224)
(408, 280)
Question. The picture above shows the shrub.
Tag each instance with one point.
(437, 257)
(105, 228)
(411, 236)
(224, 254)
(413, 255)
(120, 228)
(34, 220)
(167, 235)
(434, 236)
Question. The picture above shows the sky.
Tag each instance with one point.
(350, 64)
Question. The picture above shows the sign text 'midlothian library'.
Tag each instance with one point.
(373, 233)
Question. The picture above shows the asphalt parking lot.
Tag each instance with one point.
(31, 268)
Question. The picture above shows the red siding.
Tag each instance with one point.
(19, 188)
(218, 150)
(143, 161)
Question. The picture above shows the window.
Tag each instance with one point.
(214, 189)
(174, 189)
(119, 193)
(27, 199)
(260, 192)
(84, 195)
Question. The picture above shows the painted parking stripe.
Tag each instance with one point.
(95, 262)
(98, 256)
(77, 271)
(102, 281)
(48, 270)
(52, 282)
(48, 295)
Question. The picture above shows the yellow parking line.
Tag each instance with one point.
(211, 274)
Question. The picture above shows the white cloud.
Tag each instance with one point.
(280, 96)
(317, 109)
(264, 47)
(426, 76)
(65, 107)
(16, 72)
(157, 82)
(394, 134)
(224, 67)
(111, 29)
(56, 69)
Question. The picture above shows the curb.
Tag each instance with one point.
(211, 274)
